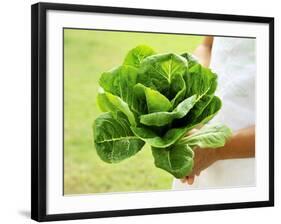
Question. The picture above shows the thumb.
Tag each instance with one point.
(190, 180)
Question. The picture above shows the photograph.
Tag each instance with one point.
(154, 111)
(142, 111)
(137, 112)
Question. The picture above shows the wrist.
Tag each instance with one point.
(214, 154)
(218, 154)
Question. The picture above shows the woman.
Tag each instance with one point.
(233, 59)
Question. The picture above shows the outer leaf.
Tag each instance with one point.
(160, 71)
(198, 116)
(190, 59)
(178, 89)
(139, 105)
(111, 103)
(164, 118)
(200, 81)
(181, 127)
(210, 111)
(120, 82)
(155, 140)
(210, 136)
(155, 101)
(177, 159)
(114, 140)
(199, 107)
(137, 54)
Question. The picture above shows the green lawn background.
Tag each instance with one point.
(88, 53)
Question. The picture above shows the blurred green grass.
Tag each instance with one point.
(88, 53)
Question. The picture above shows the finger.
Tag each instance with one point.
(183, 180)
(191, 174)
(198, 173)
(190, 180)
(191, 132)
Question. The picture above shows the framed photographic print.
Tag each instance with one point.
(139, 111)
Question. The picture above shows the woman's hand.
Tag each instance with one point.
(240, 145)
(203, 158)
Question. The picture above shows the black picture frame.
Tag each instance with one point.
(39, 107)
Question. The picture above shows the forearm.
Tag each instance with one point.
(240, 145)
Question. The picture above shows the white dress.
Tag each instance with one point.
(233, 59)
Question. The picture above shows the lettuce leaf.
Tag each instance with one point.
(157, 99)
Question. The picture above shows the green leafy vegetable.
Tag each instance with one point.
(211, 136)
(201, 81)
(158, 141)
(112, 103)
(136, 55)
(114, 140)
(161, 71)
(190, 58)
(157, 99)
(120, 82)
(164, 118)
(177, 160)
